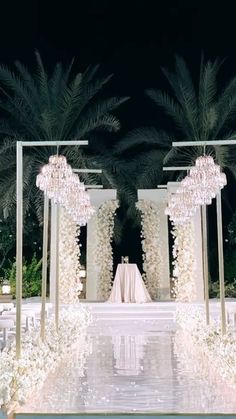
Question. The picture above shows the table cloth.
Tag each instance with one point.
(128, 286)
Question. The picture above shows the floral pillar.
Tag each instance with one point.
(184, 264)
(152, 246)
(69, 254)
(104, 254)
(93, 267)
(187, 252)
(156, 242)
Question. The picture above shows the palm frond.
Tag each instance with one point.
(172, 108)
(207, 95)
(145, 135)
(106, 122)
(42, 79)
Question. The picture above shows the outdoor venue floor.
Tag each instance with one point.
(135, 366)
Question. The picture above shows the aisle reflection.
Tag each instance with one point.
(128, 354)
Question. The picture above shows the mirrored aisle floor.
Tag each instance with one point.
(136, 365)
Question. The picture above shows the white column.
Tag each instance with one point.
(159, 197)
(171, 188)
(98, 197)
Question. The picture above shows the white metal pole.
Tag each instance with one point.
(57, 296)
(19, 242)
(44, 266)
(221, 262)
(205, 261)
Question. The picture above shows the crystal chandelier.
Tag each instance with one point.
(205, 180)
(199, 187)
(54, 178)
(77, 201)
(62, 186)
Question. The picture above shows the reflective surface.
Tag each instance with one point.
(135, 366)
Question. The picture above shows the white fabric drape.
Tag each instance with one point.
(128, 286)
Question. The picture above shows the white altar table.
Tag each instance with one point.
(128, 286)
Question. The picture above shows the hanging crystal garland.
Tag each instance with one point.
(54, 178)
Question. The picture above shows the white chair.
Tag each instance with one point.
(231, 313)
(8, 306)
(25, 319)
(5, 326)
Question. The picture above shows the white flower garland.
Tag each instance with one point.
(19, 378)
(218, 350)
(104, 253)
(152, 245)
(184, 264)
(69, 254)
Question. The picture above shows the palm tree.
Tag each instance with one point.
(38, 106)
(204, 112)
(136, 163)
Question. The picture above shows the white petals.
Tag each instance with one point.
(19, 378)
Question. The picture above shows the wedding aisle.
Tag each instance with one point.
(136, 364)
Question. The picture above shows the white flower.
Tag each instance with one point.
(200, 344)
(69, 253)
(151, 244)
(19, 378)
(184, 265)
(104, 253)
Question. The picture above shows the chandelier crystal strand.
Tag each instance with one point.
(54, 178)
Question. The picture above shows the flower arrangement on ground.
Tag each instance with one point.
(20, 377)
(219, 351)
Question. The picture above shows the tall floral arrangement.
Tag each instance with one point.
(151, 245)
(184, 264)
(104, 254)
(69, 254)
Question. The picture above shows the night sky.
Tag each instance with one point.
(132, 39)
